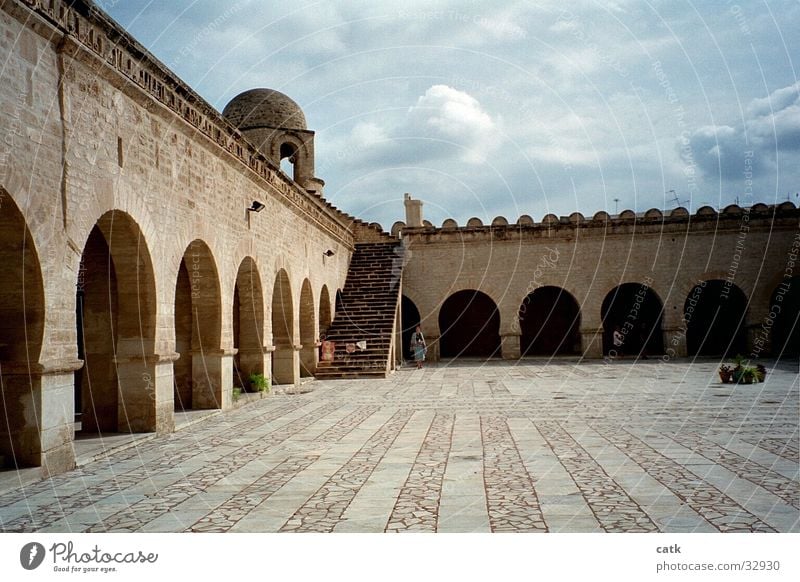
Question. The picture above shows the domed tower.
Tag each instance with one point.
(275, 124)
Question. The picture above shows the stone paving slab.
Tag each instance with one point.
(462, 447)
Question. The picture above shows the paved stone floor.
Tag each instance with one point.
(465, 447)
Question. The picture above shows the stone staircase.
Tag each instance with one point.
(367, 313)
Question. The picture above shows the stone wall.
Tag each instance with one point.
(747, 248)
(96, 134)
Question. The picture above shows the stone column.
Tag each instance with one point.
(254, 361)
(592, 342)
(38, 410)
(413, 211)
(432, 341)
(509, 346)
(146, 393)
(759, 340)
(675, 342)
(212, 378)
(309, 358)
(286, 364)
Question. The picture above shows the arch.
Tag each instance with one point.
(715, 314)
(308, 336)
(22, 291)
(287, 155)
(115, 308)
(283, 358)
(248, 323)
(638, 312)
(338, 303)
(577, 218)
(198, 329)
(525, 220)
(397, 228)
(325, 316)
(785, 332)
(410, 319)
(469, 324)
(550, 321)
(21, 334)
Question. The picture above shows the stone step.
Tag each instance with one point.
(366, 312)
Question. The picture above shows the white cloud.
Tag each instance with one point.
(445, 113)
(771, 127)
(567, 90)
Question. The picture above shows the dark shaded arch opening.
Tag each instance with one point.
(637, 311)
(549, 320)
(308, 353)
(410, 319)
(325, 316)
(338, 303)
(198, 329)
(115, 307)
(715, 314)
(21, 335)
(288, 159)
(469, 324)
(248, 324)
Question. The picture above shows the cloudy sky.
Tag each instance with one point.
(507, 108)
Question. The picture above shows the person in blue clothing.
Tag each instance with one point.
(418, 347)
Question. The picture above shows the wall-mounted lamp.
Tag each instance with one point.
(256, 206)
(328, 253)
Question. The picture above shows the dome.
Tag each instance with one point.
(258, 108)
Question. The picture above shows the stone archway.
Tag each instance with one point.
(21, 333)
(285, 363)
(248, 324)
(469, 326)
(786, 327)
(410, 321)
(308, 338)
(325, 315)
(549, 320)
(715, 316)
(338, 303)
(638, 312)
(116, 322)
(198, 327)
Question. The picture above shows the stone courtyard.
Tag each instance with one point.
(528, 446)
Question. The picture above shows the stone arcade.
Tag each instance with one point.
(141, 281)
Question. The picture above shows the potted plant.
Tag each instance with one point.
(743, 372)
(237, 393)
(726, 374)
(259, 383)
